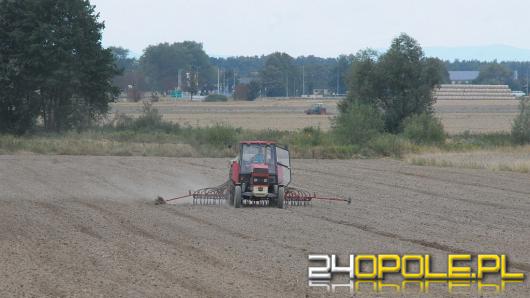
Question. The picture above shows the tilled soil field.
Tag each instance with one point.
(87, 226)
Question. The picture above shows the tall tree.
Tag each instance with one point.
(338, 77)
(163, 62)
(317, 73)
(131, 73)
(279, 75)
(399, 82)
(494, 74)
(18, 82)
(244, 66)
(123, 58)
(51, 54)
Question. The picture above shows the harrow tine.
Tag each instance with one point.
(216, 196)
(211, 195)
(296, 197)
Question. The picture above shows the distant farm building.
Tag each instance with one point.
(463, 76)
(473, 92)
(321, 92)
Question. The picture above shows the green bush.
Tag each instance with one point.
(150, 117)
(358, 124)
(521, 124)
(221, 135)
(309, 136)
(468, 140)
(149, 120)
(388, 145)
(218, 135)
(215, 97)
(424, 129)
(122, 122)
(282, 137)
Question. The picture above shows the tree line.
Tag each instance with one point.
(275, 75)
(163, 67)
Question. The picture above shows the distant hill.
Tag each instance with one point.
(482, 53)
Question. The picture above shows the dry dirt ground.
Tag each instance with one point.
(457, 115)
(87, 227)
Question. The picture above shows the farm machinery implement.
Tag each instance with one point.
(259, 176)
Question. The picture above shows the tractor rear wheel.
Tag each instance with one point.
(280, 200)
(237, 196)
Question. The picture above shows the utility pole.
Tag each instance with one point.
(338, 79)
(218, 81)
(234, 87)
(527, 81)
(287, 85)
(224, 82)
(303, 80)
(198, 80)
(294, 87)
(179, 80)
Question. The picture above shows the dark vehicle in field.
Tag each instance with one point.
(317, 109)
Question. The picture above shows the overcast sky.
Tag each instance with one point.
(302, 27)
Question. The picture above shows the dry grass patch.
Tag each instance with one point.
(95, 147)
(514, 159)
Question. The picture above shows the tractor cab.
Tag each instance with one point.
(260, 172)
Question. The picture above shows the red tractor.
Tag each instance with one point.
(259, 175)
